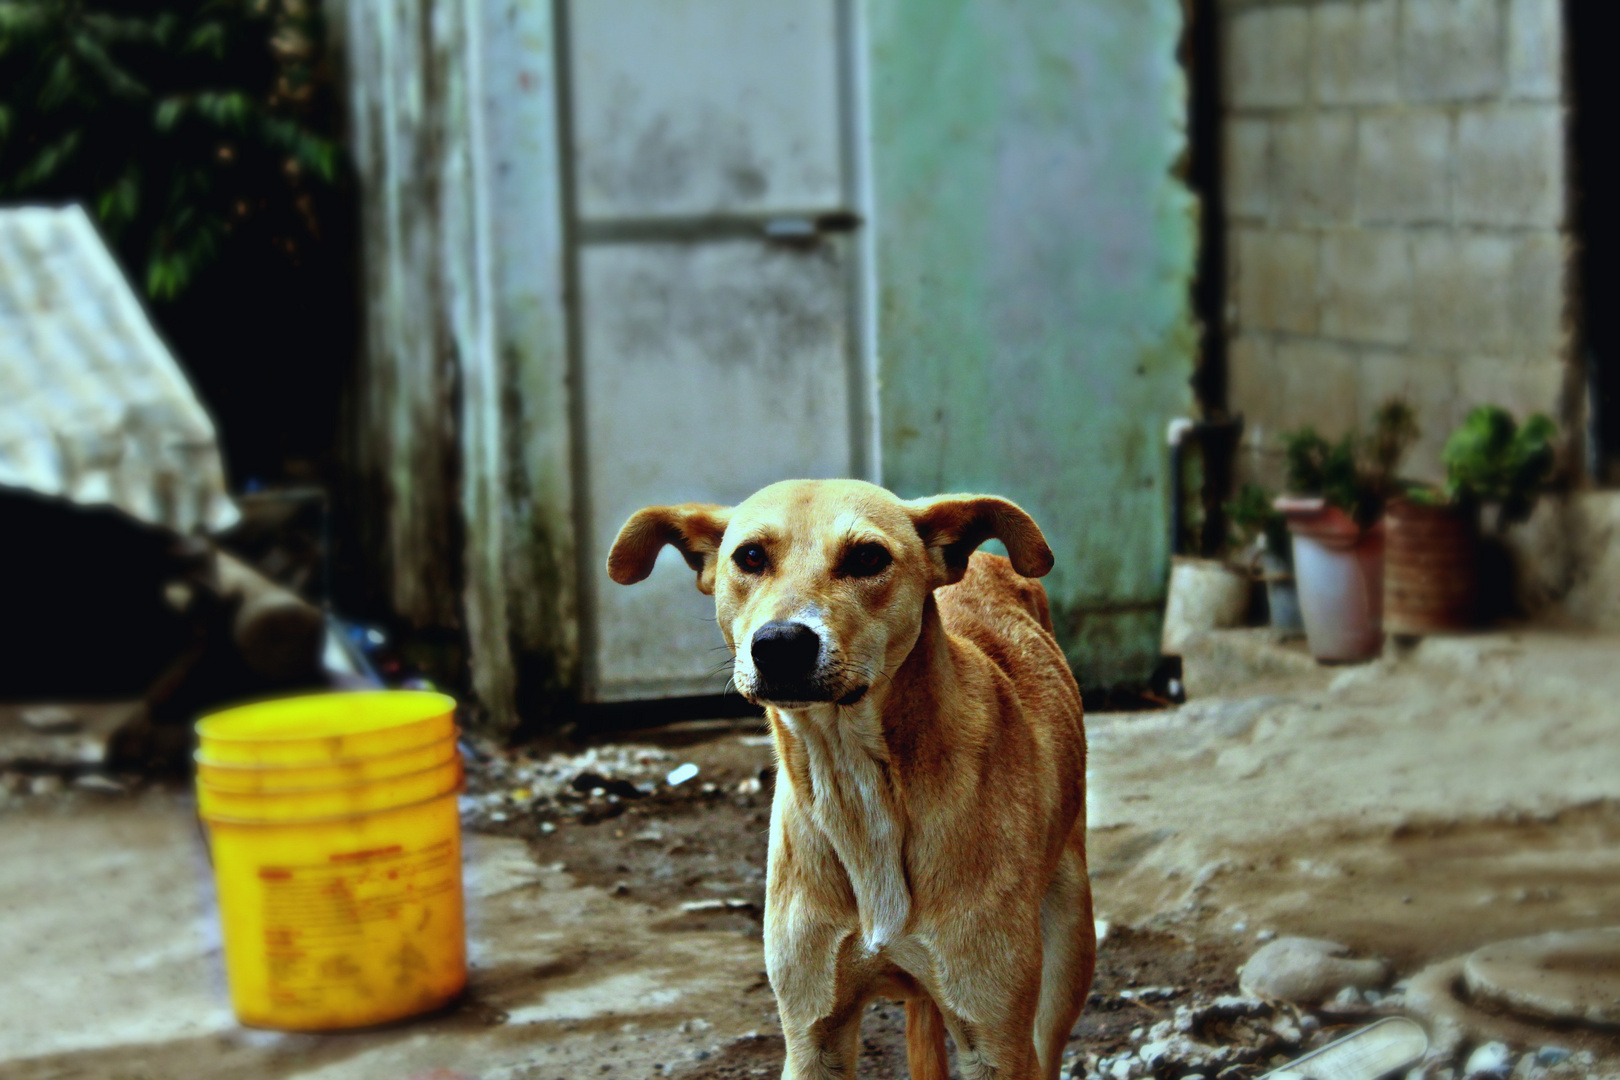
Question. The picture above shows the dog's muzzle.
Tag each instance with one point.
(787, 666)
(785, 657)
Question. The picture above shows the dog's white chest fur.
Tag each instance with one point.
(852, 804)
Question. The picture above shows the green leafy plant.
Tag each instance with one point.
(183, 125)
(1356, 473)
(1251, 515)
(1492, 458)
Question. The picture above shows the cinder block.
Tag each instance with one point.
(1268, 52)
(1461, 284)
(1254, 388)
(1451, 50)
(1403, 167)
(1510, 166)
(1535, 49)
(1520, 388)
(1354, 53)
(1321, 381)
(1428, 383)
(1538, 296)
(1315, 156)
(1367, 286)
(1246, 160)
(1276, 280)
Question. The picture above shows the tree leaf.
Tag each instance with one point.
(168, 113)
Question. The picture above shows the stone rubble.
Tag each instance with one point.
(1308, 971)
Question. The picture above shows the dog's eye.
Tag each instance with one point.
(867, 560)
(750, 559)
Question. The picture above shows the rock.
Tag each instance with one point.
(597, 785)
(61, 737)
(700, 907)
(1348, 999)
(1528, 1069)
(1489, 1059)
(1548, 1056)
(46, 784)
(1562, 976)
(103, 785)
(1283, 1026)
(51, 720)
(1307, 971)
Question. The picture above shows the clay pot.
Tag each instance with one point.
(1339, 570)
(1431, 568)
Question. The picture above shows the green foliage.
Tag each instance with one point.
(1490, 458)
(1251, 514)
(1356, 474)
(183, 125)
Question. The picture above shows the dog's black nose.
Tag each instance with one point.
(785, 652)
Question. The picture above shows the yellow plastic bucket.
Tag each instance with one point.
(341, 898)
(318, 729)
(226, 776)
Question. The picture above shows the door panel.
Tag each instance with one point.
(709, 370)
(705, 107)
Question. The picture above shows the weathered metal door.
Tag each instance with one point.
(718, 291)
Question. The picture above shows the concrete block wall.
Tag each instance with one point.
(1396, 207)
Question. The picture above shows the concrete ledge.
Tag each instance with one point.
(1224, 661)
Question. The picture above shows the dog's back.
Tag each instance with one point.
(1006, 615)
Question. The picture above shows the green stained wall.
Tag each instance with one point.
(1034, 253)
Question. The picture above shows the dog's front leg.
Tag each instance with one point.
(825, 1049)
(987, 985)
(819, 1004)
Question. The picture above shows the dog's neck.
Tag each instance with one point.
(836, 759)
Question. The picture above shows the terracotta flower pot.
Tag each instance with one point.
(1339, 570)
(1431, 569)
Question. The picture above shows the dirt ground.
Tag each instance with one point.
(1413, 809)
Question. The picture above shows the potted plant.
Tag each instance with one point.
(1261, 532)
(1335, 515)
(1432, 575)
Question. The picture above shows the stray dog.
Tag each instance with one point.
(927, 834)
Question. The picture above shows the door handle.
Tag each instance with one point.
(805, 231)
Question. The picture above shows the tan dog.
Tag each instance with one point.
(928, 831)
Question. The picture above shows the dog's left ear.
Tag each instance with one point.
(693, 529)
(953, 526)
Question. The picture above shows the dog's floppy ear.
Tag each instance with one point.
(952, 526)
(694, 529)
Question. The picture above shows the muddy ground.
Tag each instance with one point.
(1413, 809)
(705, 841)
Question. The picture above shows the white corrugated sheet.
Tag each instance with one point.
(93, 407)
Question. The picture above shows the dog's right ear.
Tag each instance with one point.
(693, 529)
